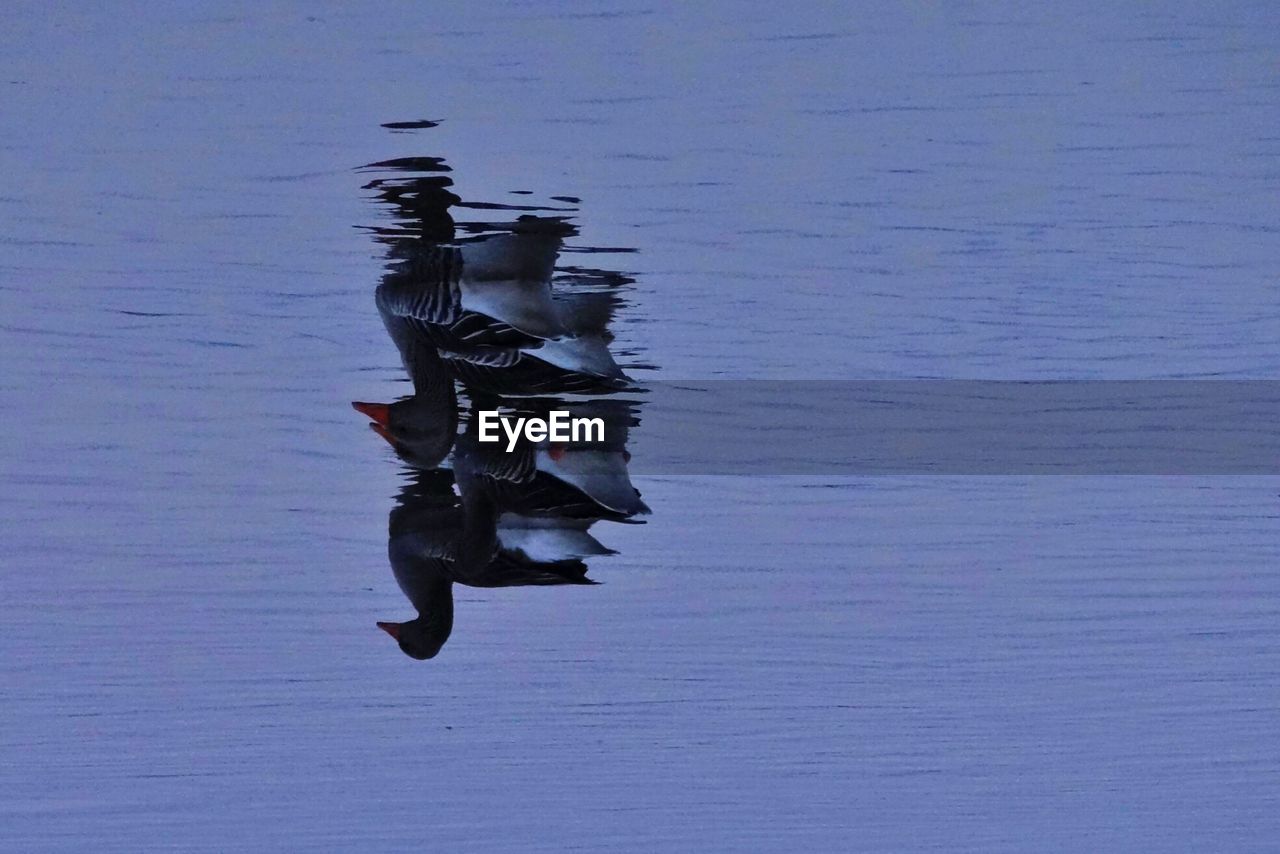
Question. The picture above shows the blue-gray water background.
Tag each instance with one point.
(193, 531)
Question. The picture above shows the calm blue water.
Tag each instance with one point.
(194, 526)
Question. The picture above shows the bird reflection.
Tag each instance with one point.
(484, 320)
(485, 309)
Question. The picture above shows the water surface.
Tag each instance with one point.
(195, 522)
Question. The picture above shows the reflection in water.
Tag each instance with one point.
(482, 306)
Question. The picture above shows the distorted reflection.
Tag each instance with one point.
(482, 307)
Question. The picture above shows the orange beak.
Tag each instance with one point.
(392, 629)
(384, 433)
(379, 412)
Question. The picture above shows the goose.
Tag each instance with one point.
(435, 541)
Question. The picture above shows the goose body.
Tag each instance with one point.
(487, 309)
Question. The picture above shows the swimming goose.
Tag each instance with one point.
(434, 541)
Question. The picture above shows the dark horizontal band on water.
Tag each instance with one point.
(810, 427)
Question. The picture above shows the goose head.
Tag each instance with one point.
(421, 638)
(419, 431)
